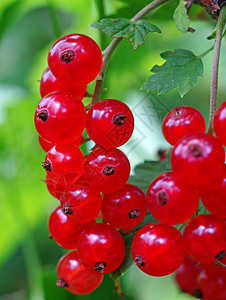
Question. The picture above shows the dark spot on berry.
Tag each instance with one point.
(108, 170)
(177, 112)
(67, 56)
(50, 237)
(61, 283)
(119, 119)
(162, 197)
(197, 293)
(47, 165)
(100, 267)
(221, 255)
(195, 150)
(43, 115)
(134, 213)
(139, 261)
(67, 209)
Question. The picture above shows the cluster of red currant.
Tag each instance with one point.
(95, 187)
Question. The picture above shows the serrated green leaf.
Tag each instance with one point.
(135, 32)
(181, 18)
(181, 70)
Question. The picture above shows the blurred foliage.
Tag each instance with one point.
(27, 29)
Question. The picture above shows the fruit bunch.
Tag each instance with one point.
(95, 199)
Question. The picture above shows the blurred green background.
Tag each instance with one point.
(27, 29)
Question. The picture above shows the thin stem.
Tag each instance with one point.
(101, 14)
(54, 19)
(206, 52)
(215, 66)
(110, 49)
(118, 289)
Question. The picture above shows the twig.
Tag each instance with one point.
(118, 289)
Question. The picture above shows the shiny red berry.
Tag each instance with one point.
(50, 84)
(205, 238)
(75, 57)
(107, 169)
(125, 208)
(158, 249)
(219, 123)
(101, 247)
(60, 117)
(46, 146)
(181, 121)
(75, 277)
(64, 163)
(110, 123)
(198, 158)
(170, 201)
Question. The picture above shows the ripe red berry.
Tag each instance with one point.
(46, 146)
(64, 163)
(63, 230)
(110, 123)
(158, 249)
(170, 201)
(205, 238)
(60, 117)
(101, 247)
(50, 84)
(181, 121)
(75, 57)
(125, 208)
(75, 277)
(198, 158)
(107, 169)
(81, 202)
(213, 196)
(219, 123)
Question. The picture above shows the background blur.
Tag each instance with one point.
(27, 29)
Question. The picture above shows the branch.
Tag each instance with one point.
(110, 49)
(215, 66)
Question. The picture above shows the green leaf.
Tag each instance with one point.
(181, 18)
(212, 36)
(181, 70)
(123, 28)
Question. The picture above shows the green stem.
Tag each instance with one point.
(54, 19)
(110, 49)
(206, 52)
(101, 14)
(215, 66)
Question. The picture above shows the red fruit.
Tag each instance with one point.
(101, 247)
(158, 249)
(50, 84)
(198, 158)
(60, 117)
(125, 208)
(75, 276)
(81, 202)
(107, 169)
(64, 163)
(213, 196)
(110, 123)
(219, 123)
(75, 57)
(63, 230)
(205, 238)
(170, 201)
(46, 146)
(181, 121)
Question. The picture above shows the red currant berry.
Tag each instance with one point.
(46, 146)
(125, 208)
(63, 230)
(75, 276)
(101, 247)
(219, 123)
(107, 169)
(205, 238)
(198, 158)
(75, 57)
(81, 202)
(213, 196)
(187, 276)
(158, 249)
(60, 117)
(180, 121)
(110, 123)
(170, 201)
(50, 84)
(64, 163)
